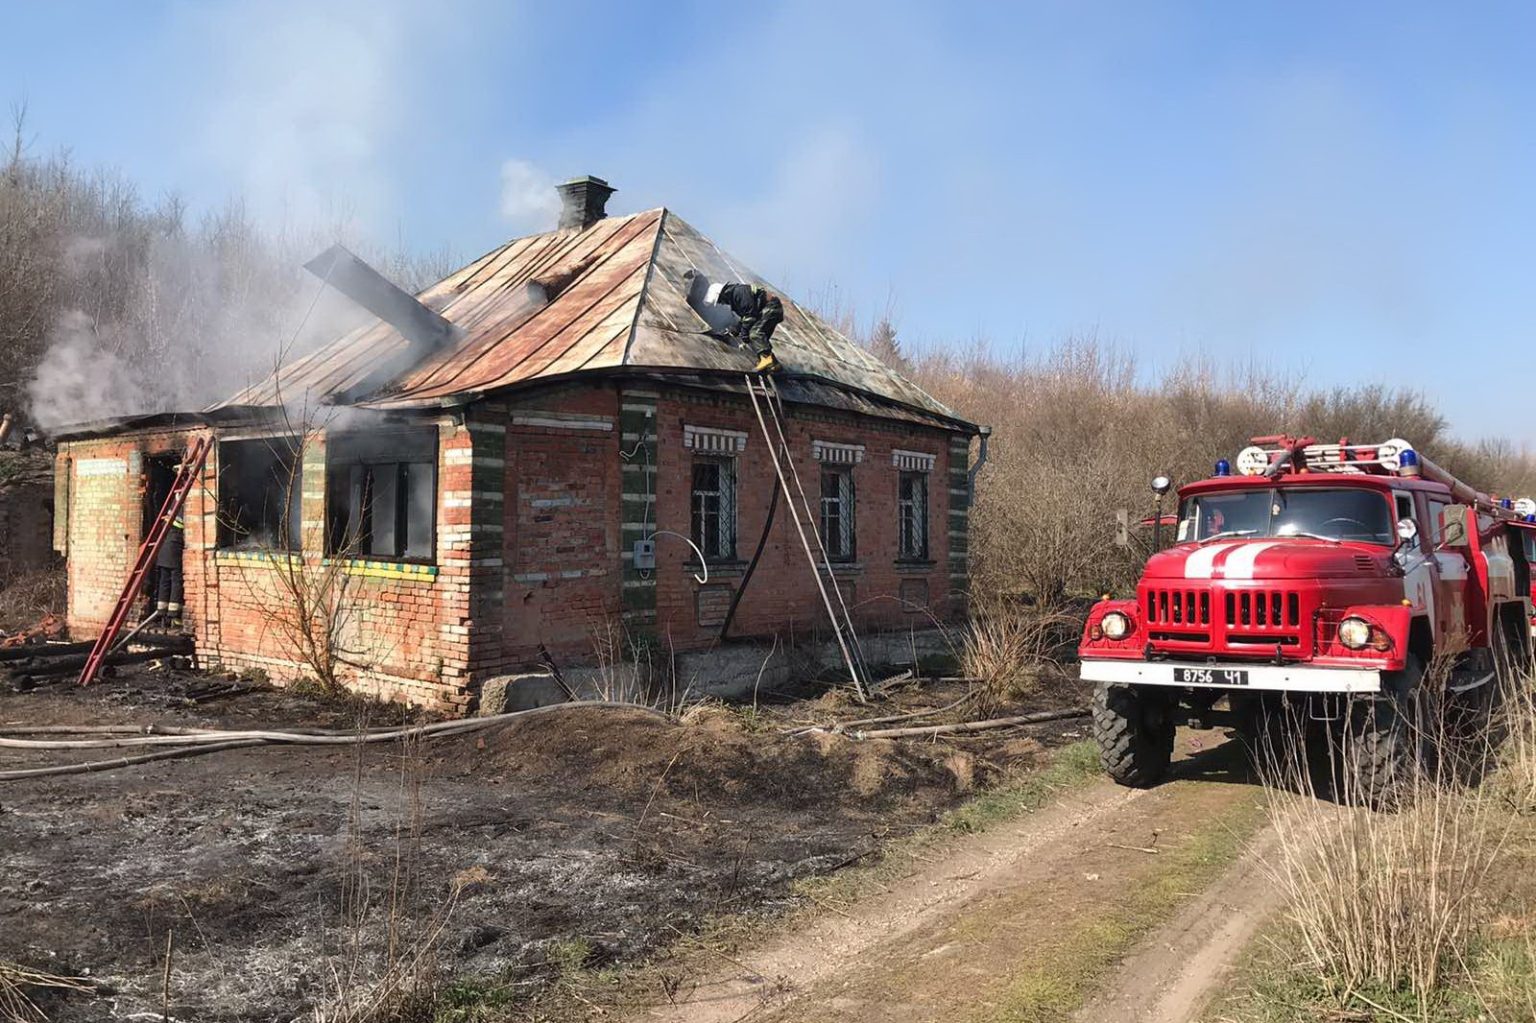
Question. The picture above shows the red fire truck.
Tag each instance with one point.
(1321, 578)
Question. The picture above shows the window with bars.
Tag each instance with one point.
(912, 509)
(837, 514)
(714, 507)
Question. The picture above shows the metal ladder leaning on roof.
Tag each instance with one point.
(777, 441)
(186, 477)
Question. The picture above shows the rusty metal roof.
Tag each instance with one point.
(610, 297)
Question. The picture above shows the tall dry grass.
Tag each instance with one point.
(1008, 645)
(1396, 900)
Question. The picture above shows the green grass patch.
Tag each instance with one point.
(1063, 972)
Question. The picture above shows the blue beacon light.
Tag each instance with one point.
(1408, 462)
(1223, 467)
(1507, 503)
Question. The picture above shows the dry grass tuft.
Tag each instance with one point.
(17, 986)
(1006, 647)
(1397, 901)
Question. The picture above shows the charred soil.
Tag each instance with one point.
(281, 878)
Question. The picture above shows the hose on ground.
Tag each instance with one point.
(186, 745)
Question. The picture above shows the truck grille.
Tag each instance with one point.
(1178, 607)
(1263, 609)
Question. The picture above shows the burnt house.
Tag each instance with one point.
(540, 448)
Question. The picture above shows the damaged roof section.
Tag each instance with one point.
(610, 296)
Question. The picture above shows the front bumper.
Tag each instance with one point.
(1261, 677)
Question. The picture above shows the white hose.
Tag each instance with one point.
(211, 741)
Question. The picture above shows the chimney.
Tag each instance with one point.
(582, 201)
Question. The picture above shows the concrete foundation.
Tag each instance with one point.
(733, 672)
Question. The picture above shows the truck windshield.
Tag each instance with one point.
(1357, 515)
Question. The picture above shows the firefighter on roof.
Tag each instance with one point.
(759, 312)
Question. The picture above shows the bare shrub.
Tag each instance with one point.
(1007, 645)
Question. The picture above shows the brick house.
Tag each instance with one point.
(533, 453)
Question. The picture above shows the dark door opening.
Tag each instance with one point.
(159, 476)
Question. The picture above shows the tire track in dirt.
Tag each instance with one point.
(1173, 974)
(968, 937)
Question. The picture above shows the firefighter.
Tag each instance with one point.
(759, 313)
(168, 582)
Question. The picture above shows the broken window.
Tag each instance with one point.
(260, 494)
(381, 494)
(714, 507)
(912, 512)
(837, 533)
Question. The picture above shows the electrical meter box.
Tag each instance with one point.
(645, 555)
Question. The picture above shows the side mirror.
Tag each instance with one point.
(1454, 526)
(1407, 530)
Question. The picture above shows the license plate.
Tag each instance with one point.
(1210, 676)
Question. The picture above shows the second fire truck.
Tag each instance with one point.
(1323, 577)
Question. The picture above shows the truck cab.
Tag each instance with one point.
(1323, 577)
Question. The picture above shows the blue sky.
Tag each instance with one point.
(1342, 191)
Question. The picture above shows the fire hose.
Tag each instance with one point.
(194, 742)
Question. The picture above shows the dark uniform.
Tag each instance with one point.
(168, 583)
(760, 312)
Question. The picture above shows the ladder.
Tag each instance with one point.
(186, 477)
(777, 443)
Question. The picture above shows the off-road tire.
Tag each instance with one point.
(1386, 742)
(1134, 732)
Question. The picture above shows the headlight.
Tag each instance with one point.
(1355, 633)
(1115, 625)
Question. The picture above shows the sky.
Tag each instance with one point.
(1344, 192)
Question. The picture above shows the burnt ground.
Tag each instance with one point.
(281, 876)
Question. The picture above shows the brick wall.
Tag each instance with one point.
(412, 629)
(782, 595)
(562, 523)
(539, 502)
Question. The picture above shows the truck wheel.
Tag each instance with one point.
(1385, 741)
(1134, 732)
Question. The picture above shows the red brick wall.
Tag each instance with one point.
(539, 502)
(562, 523)
(410, 628)
(782, 594)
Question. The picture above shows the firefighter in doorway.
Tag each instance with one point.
(759, 312)
(168, 584)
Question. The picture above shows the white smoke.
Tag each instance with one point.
(528, 199)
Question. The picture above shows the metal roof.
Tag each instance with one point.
(611, 297)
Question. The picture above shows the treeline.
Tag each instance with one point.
(112, 303)
(1080, 432)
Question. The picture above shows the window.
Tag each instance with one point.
(1436, 529)
(260, 494)
(837, 532)
(1354, 514)
(381, 495)
(714, 507)
(912, 512)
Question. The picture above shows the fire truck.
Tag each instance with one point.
(1319, 579)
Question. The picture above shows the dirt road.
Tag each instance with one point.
(1127, 901)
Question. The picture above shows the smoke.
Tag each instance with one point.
(528, 199)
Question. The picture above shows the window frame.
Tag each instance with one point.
(358, 472)
(922, 508)
(725, 495)
(846, 499)
(286, 452)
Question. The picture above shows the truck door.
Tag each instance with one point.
(1449, 570)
